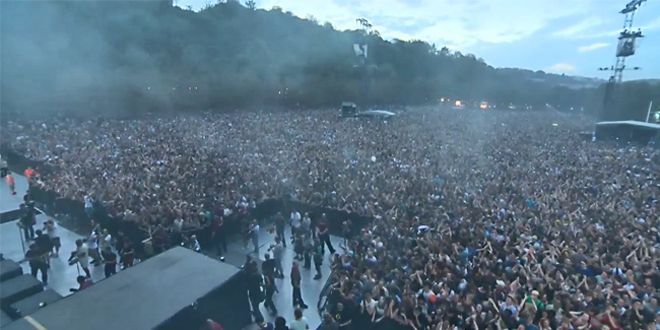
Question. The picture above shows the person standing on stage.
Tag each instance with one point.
(294, 220)
(28, 220)
(51, 229)
(254, 235)
(296, 279)
(127, 254)
(218, 236)
(11, 183)
(255, 290)
(35, 258)
(4, 169)
(89, 207)
(324, 234)
(82, 254)
(306, 224)
(279, 227)
(318, 258)
(278, 253)
(43, 244)
(93, 247)
(269, 284)
(109, 261)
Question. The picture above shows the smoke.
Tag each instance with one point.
(79, 56)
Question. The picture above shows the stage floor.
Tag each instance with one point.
(61, 276)
(9, 202)
(310, 288)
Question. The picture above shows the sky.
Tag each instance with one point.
(574, 37)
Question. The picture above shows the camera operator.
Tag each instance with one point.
(81, 256)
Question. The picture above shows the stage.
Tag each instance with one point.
(142, 297)
(61, 276)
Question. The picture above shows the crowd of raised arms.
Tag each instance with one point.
(482, 219)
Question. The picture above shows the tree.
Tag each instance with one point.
(251, 4)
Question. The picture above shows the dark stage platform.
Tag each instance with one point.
(9, 269)
(32, 303)
(142, 297)
(18, 288)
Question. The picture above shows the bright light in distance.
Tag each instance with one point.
(555, 124)
(458, 103)
(483, 105)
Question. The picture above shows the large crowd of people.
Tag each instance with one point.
(482, 220)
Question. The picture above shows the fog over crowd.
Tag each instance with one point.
(480, 219)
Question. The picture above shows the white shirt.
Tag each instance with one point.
(299, 324)
(88, 202)
(83, 255)
(52, 231)
(295, 219)
(93, 241)
(106, 241)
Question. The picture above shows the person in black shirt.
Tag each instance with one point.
(268, 267)
(343, 317)
(318, 258)
(109, 261)
(28, 220)
(255, 291)
(270, 288)
(37, 263)
(43, 243)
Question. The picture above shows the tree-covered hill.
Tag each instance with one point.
(131, 56)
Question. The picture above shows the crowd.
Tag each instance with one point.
(482, 220)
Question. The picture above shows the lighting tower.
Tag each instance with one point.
(626, 44)
(625, 48)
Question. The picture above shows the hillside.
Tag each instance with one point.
(127, 56)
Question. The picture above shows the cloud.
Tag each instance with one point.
(462, 24)
(592, 47)
(561, 68)
(579, 29)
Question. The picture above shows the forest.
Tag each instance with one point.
(141, 56)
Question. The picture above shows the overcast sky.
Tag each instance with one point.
(562, 36)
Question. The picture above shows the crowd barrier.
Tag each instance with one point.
(74, 210)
